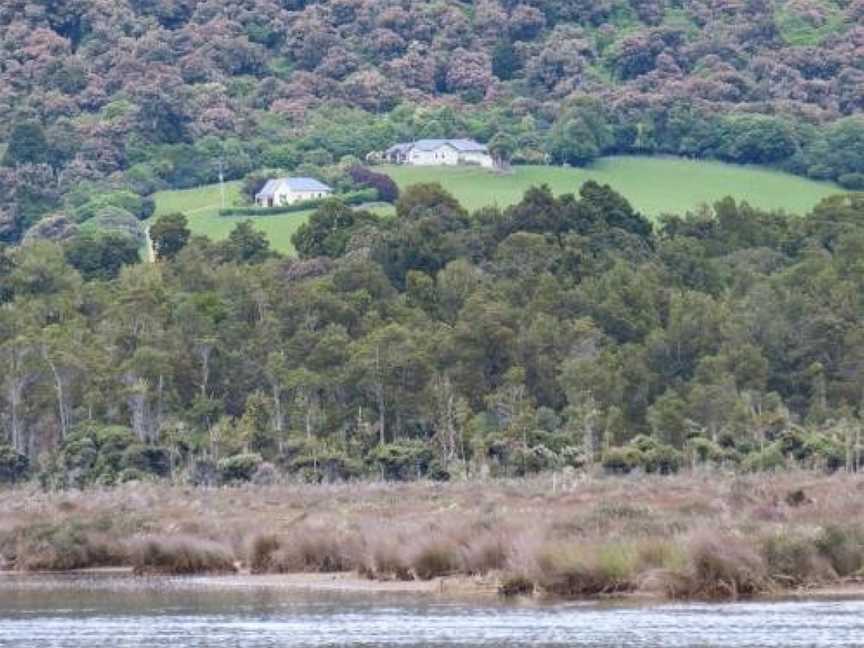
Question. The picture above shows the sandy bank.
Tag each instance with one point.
(447, 588)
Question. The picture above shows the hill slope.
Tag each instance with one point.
(147, 96)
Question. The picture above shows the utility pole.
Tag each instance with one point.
(222, 180)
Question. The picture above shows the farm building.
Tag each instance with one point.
(279, 192)
(440, 152)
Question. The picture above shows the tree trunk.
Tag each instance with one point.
(204, 351)
(379, 388)
(17, 381)
(277, 413)
(15, 391)
(61, 400)
(158, 422)
(137, 403)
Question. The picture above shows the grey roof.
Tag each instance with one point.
(294, 184)
(306, 184)
(268, 189)
(462, 145)
(402, 147)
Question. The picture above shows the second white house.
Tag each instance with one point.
(440, 152)
(279, 192)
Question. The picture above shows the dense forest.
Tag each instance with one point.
(561, 331)
(103, 102)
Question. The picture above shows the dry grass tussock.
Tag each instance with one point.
(703, 535)
(180, 555)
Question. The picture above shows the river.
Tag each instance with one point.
(76, 611)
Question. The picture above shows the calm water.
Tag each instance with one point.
(120, 612)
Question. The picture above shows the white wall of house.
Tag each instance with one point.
(444, 155)
(479, 158)
(284, 196)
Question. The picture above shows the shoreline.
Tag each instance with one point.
(557, 537)
(445, 588)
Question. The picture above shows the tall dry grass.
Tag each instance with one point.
(180, 555)
(704, 535)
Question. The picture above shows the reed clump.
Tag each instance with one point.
(180, 555)
(65, 545)
(725, 566)
(843, 547)
(435, 557)
(303, 550)
(698, 536)
(793, 559)
(578, 570)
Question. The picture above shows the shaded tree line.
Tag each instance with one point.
(562, 331)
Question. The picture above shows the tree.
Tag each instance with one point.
(502, 147)
(327, 231)
(422, 199)
(388, 190)
(580, 134)
(27, 145)
(100, 256)
(245, 244)
(505, 60)
(169, 234)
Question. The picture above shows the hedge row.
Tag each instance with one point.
(349, 198)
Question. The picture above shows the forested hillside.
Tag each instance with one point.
(562, 331)
(103, 102)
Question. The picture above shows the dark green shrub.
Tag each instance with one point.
(621, 461)
(95, 454)
(78, 457)
(437, 471)
(705, 451)
(852, 181)
(527, 460)
(131, 474)
(819, 450)
(154, 460)
(769, 459)
(664, 460)
(14, 467)
(644, 443)
(239, 468)
(402, 460)
(318, 462)
(791, 444)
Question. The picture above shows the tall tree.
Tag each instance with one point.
(27, 145)
(169, 234)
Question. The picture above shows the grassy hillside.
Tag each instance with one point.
(202, 204)
(654, 185)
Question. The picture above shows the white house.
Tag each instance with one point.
(279, 192)
(440, 152)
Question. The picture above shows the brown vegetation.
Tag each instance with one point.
(700, 536)
(180, 555)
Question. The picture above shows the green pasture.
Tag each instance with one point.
(202, 204)
(654, 185)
